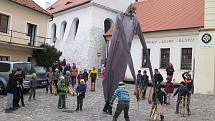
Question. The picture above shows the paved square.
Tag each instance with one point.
(45, 108)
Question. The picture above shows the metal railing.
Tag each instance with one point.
(22, 39)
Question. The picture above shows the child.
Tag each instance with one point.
(139, 78)
(169, 88)
(80, 76)
(33, 86)
(123, 101)
(80, 90)
(161, 96)
(62, 89)
(181, 91)
(145, 82)
(85, 75)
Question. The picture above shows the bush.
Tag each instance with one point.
(47, 56)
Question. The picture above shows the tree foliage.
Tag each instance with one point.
(47, 56)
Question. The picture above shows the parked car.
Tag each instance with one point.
(6, 68)
(41, 75)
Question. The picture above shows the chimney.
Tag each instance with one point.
(47, 4)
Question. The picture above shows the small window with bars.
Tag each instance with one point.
(145, 63)
(186, 59)
(4, 58)
(165, 55)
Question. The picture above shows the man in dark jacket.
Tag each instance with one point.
(11, 89)
(158, 77)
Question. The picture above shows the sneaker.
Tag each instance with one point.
(8, 111)
(176, 112)
(77, 109)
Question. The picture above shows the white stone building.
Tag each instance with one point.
(78, 26)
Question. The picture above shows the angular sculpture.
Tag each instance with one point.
(119, 53)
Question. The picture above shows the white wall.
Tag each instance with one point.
(89, 39)
(120, 5)
(157, 40)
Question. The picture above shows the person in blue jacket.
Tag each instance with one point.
(123, 101)
(80, 90)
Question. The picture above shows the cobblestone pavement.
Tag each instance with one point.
(45, 109)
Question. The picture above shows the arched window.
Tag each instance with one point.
(63, 28)
(53, 32)
(107, 24)
(74, 28)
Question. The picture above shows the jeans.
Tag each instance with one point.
(122, 105)
(32, 92)
(62, 101)
(9, 101)
(168, 97)
(80, 102)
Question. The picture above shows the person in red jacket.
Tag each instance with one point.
(169, 88)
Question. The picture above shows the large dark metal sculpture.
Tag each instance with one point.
(119, 53)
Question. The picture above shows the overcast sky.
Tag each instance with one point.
(42, 2)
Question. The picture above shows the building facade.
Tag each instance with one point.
(23, 27)
(180, 32)
(77, 29)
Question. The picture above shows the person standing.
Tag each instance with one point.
(139, 78)
(80, 90)
(158, 77)
(74, 74)
(170, 70)
(49, 76)
(11, 89)
(145, 82)
(85, 75)
(189, 83)
(20, 79)
(123, 101)
(169, 88)
(33, 86)
(62, 90)
(94, 77)
(80, 76)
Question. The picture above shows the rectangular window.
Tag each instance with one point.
(4, 58)
(144, 61)
(32, 30)
(186, 59)
(4, 23)
(165, 55)
(5, 67)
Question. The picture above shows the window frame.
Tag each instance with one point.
(8, 23)
(186, 60)
(161, 61)
(7, 56)
(144, 58)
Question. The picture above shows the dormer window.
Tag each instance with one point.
(68, 2)
(51, 8)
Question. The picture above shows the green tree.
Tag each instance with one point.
(47, 56)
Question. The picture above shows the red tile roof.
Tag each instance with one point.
(62, 5)
(155, 15)
(31, 4)
(158, 15)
